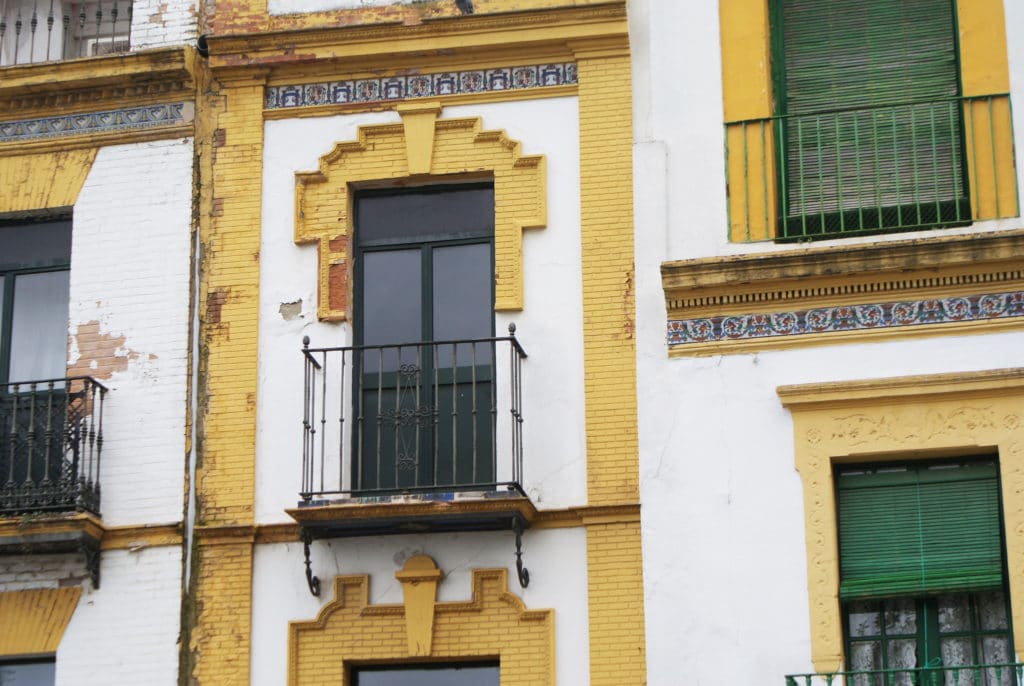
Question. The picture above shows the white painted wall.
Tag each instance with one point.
(163, 23)
(722, 519)
(127, 631)
(548, 327)
(130, 272)
(297, 6)
(558, 579)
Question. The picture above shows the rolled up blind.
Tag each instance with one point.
(919, 530)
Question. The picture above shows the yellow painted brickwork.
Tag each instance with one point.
(230, 139)
(461, 150)
(494, 625)
(36, 182)
(606, 207)
(33, 621)
(615, 589)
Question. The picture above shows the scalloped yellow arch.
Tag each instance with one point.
(423, 149)
(494, 624)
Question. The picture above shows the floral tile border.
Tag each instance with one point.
(145, 117)
(390, 88)
(889, 315)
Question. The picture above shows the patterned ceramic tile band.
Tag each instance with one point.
(390, 88)
(846, 318)
(148, 116)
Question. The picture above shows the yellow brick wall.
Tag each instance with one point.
(614, 572)
(230, 135)
(494, 625)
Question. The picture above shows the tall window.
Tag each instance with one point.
(34, 263)
(867, 94)
(922, 573)
(424, 313)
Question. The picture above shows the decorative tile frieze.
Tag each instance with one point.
(130, 118)
(406, 87)
(887, 315)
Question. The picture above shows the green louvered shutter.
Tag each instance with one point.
(872, 121)
(918, 530)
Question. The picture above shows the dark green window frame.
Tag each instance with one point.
(863, 147)
(429, 674)
(947, 514)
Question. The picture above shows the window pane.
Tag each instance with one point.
(452, 676)
(35, 245)
(864, 618)
(462, 292)
(392, 304)
(39, 326)
(900, 617)
(992, 610)
(414, 216)
(28, 674)
(954, 613)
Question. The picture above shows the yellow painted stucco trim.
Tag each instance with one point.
(34, 620)
(747, 107)
(903, 418)
(422, 150)
(493, 625)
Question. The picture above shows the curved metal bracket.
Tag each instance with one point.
(312, 581)
(92, 562)
(521, 570)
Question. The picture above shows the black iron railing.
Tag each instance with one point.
(50, 30)
(51, 437)
(1008, 674)
(439, 417)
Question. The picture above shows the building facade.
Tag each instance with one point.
(511, 341)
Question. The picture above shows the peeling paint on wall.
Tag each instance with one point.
(99, 354)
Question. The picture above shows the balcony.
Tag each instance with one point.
(51, 439)
(34, 31)
(900, 167)
(413, 438)
(1009, 674)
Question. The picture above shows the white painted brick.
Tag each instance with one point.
(127, 631)
(41, 571)
(131, 243)
(162, 23)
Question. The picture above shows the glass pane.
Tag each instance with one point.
(954, 613)
(991, 609)
(900, 617)
(996, 650)
(35, 245)
(864, 619)
(902, 654)
(957, 651)
(462, 302)
(416, 216)
(452, 676)
(39, 327)
(391, 303)
(28, 674)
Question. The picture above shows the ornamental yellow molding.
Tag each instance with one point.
(904, 418)
(421, 150)
(494, 624)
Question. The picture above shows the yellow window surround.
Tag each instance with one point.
(748, 109)
(906, 418)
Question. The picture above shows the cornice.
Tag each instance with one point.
(605, 23)
(98, 83)
(916, 389)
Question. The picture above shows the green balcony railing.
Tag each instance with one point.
(1007, 674)
(874, 169)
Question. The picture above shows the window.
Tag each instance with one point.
(424, 315)
(868, 115)
(922, 573)
(34, 264)
(28, 673)
(427, 675)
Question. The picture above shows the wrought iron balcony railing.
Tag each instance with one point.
(873, 169)
(51, 30)
(1007, 674)
(434, 418)
(51, 437)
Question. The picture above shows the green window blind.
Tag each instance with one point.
(919, 529)
(871, 123)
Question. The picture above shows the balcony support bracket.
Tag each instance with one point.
(91, 551)
(521, 570)
(311, 580)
